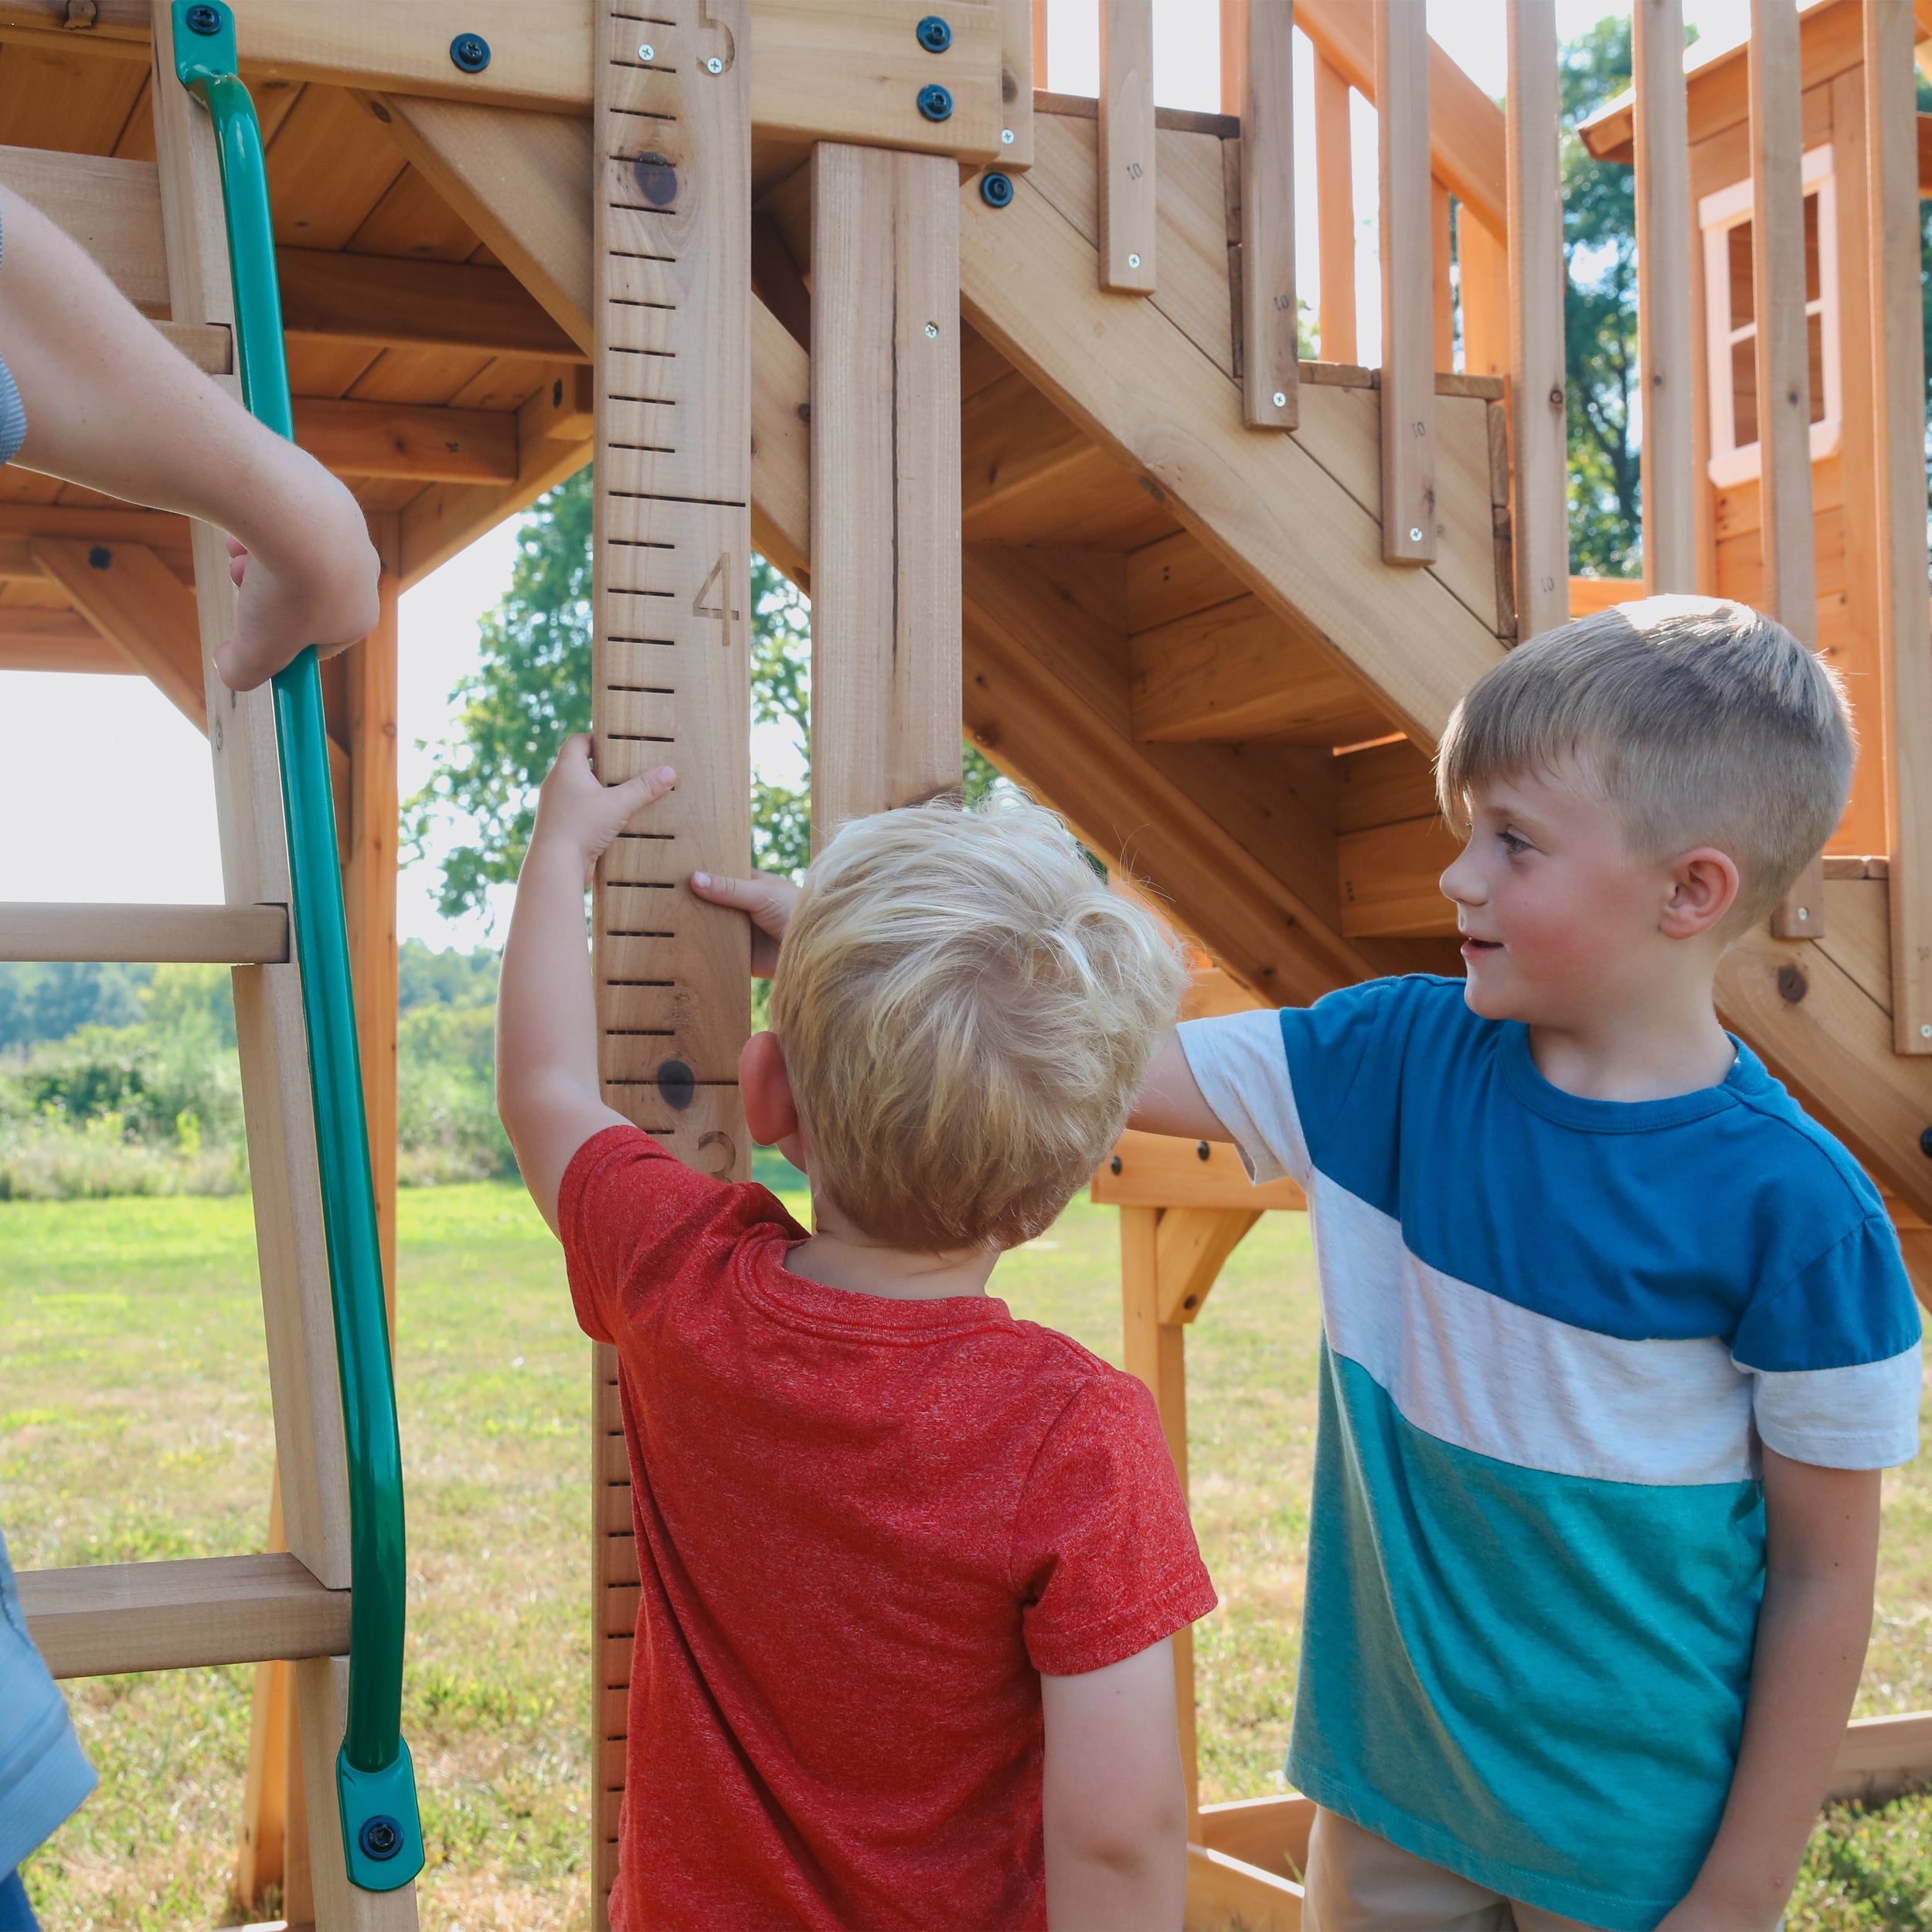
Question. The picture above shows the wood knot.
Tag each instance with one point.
(1792, 986)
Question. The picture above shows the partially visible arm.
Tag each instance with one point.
(1116, 1807)
(1170, 1100)
(1822, 1534)
(548, 1091)
(111, 405)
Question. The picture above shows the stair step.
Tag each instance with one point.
(144, 935)
(102, 1619)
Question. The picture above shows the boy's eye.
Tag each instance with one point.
(1513, 842)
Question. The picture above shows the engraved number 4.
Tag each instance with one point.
(721, 577)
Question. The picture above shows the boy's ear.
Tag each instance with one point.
(1704, 886)
(770, 1112)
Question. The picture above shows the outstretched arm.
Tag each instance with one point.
(547, 1089)
(1115, 1806)
(111, 405)
(1821, 1536)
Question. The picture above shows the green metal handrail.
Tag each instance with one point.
(382, 1835)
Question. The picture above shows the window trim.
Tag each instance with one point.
(1718, 214)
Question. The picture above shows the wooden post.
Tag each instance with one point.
(1039, 44)
(1538, 423)
(1408, 326)
(1126, 170)
(1905, 625)
(1784, 366)
(1484, 263)
(1664, 338)
(1018, 30)
(885, 702)
(1257, 84)
(369, 884)
(1442, 293)
(1335, 210)
(670, 658)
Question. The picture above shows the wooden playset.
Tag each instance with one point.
(1009, 380)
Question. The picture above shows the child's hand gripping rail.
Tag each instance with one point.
(382, 1835)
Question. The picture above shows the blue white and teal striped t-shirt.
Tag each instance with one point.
(1556, 1331)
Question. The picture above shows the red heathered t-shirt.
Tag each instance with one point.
(864, 1527)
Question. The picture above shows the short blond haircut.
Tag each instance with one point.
(1704, 722)
(966, 1011)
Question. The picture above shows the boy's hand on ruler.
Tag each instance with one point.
(578, 813)
(769, 901)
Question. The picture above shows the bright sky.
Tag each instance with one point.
(105, 786)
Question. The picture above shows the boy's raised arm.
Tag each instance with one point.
(111, 405)
(548, 1091)
(1115, 1806)
(1170, 1100)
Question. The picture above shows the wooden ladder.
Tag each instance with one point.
(291, 1604)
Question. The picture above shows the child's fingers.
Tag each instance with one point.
(752, 896)
(647, 786)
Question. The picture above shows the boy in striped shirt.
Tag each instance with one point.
(1617, 1340)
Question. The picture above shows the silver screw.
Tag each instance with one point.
(1132, 261)
(1803, 912)
(1925, 1032)
(1280, 398)
(646, 52)
(714, 65)
(932, 329)
(1415, 536)
(1006, 137)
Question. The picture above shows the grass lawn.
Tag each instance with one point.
(134, 1423)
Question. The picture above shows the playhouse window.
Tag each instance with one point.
(1732, 319)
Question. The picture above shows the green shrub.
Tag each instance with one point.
(447, 1127)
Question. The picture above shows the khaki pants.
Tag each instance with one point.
(1359, 1882)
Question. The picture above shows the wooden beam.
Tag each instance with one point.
(381, 299)
(521, 180)
(1335, 210)
(1880, 1757)
(1156, 1170)
(1538, 419)
(408, 440)
(112, 208)
(885, 482)
(1127, 179)
(136, 602)
(1269, 1833)
(31, 639)
(105, 523)
(780, 446)
(1191, 1246)
(1786, 539)
(143, 935)
(1484, 262)
(1258, 83)
(1664, 343)
(1224, 1890)
(106, 1618)
(1389, 877)
(1898, 377)
(1016, 82)
(1408, 358)
(1267, 507)
(1442, 295)
(1466, 150)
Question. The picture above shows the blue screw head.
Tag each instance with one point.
(381, 1837)
(203, 19)
(471, 52)
(99, 557)
(935, 102)
(996, 190)
(934, 35)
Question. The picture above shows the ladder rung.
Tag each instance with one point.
(222, 935)
(105, 1618)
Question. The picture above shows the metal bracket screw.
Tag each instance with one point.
(646, 52)
(1280, 398)
(471, 52)
(935, 102)
(1006, 137)
(996, 190)
(1415, 536)
(1132, 261)
(203, 19)
(381, 1837)
(932, 329)
(934, 35)
(714, 65)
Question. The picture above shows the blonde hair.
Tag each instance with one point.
(966, 1011)
(1703, 722)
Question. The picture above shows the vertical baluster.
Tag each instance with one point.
(1443, 297)
(1537, 424)
(1898, 381)
(1664, 338)
(1126, 208)
(1408, 348)
(1257, 84)
(1020, 28)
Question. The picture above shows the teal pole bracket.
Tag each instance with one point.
(375, 1782)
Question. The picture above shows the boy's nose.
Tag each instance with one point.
(1460, 882)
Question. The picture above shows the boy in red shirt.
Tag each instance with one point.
(910, 1567)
